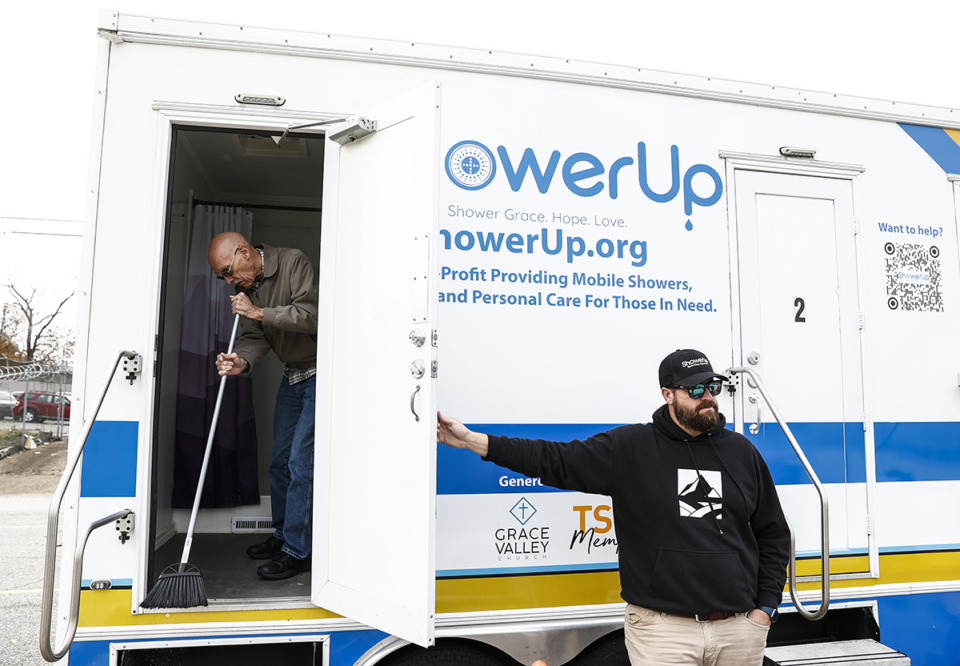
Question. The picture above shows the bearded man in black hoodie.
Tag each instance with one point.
(703, 540)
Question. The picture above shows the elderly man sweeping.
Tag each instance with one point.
(276, 297)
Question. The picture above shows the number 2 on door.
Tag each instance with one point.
(800, 305)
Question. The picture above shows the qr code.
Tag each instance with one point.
(913, 277)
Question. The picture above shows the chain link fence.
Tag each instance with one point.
(20, 378)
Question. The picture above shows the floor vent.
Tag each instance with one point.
(246, 525)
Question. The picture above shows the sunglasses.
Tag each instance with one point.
(227, 273)
(696, 392)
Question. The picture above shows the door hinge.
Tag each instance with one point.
(433, 369)
(869, 525)
(856, 226)
(353, 131)
(132, 367)
(434, 338)
(860, 320)
(125, 527)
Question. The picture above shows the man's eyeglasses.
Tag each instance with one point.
(227, 273)
(696, 392)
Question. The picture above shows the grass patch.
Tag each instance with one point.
(12, 436)
(8, 437)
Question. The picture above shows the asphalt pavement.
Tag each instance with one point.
(27, 482)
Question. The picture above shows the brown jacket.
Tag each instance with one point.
(288, 295)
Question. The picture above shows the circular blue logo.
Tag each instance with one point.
(470, 165)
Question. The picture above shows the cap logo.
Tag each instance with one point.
(694, 362)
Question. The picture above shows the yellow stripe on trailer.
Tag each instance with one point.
(895, 569)
(511, 592)
(108, 608)
(459, 595)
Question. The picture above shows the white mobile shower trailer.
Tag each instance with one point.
(518, 240)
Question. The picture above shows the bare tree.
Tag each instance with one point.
(36, 329)
(55, 347)
(11, 323)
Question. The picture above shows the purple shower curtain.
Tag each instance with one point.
(232, 478)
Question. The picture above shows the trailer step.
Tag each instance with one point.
(864, 652)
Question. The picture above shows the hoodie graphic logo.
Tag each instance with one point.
(700, 495)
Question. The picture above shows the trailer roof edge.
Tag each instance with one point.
(174, 32)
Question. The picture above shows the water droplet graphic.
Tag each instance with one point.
(688, 226)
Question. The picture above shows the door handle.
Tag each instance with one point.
(417, 368)
(413, 398)
(417, 337)
(755, 428)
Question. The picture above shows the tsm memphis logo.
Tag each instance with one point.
(470, 165)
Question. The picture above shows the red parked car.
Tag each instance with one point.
(42, 406)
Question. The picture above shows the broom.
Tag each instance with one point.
(180, 586)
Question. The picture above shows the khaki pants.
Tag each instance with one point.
(661, 639)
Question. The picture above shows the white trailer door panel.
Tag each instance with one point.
(800, 330)
(375, 510)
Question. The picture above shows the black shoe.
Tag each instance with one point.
(283, 565)
(266, 549)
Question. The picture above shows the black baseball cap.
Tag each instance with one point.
(686, 367)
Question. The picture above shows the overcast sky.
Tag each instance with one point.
(896, 51)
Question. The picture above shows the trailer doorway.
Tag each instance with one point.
(798, 296)
(223, 179)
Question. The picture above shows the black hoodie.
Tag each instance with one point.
(698, 520)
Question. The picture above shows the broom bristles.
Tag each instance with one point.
(177, 587)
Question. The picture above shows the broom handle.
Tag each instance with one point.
(206, 455)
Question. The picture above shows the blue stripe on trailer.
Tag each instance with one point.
(346, 647)
(937, 144)
(917, 451)
(461, 472)
(922, 548)
(110, 460)
(90, 653)
(114, 583)
(925, 627)
(836, 451)
(904, 452)
(508, 571)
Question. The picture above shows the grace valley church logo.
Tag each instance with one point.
(523, 511)
(522, 544)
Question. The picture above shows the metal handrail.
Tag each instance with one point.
(824, 511)
(46, 646)
(53, 527)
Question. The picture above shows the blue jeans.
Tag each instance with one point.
(291, 465)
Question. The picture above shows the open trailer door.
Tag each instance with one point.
(375, 508)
